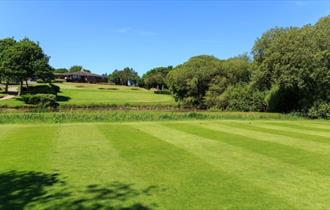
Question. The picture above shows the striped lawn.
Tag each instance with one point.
(166, 165)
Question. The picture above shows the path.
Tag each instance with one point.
(12, 93)
(7, 97)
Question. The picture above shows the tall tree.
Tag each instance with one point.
(6, 72)
(156, 77)
(25, 59)
(75, 68)
(294, 63)
(190, 81)
(61, 70)
(124, 77)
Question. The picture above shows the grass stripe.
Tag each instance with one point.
(284, 127)
(84, 154)
(5, 131)
(307, 160)
(254, 126)
(95, 175)
(264, 136)
(299, 187)
(180, 173)
(317, 126)
(27, 148)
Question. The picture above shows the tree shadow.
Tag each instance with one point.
(115, 196)
(18, 189)
(21, 189)
(62, 98)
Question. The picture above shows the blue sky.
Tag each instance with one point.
(107, 35)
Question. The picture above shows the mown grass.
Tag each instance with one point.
(122, 116)
(84, 95)
(193, 164)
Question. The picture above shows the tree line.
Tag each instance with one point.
(288, 71)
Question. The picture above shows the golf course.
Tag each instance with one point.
(164, 105)
(190, 164)
(84, 94)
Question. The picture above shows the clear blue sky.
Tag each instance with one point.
(107, 35)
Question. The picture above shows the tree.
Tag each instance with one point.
(293, 63)
(190, 81)
(124, 77)
(25, 59)
(235, 72)
(61, 70)
(6, 73)
(156, 77)
(75, 68)
(43, 71)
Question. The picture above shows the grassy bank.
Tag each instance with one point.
(122, 116)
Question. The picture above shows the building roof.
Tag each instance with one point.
(80, 73)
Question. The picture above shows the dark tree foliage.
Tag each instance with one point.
(61, 70)
(241, 98)
(6, 74)
(293, 63)
(75, 68)
(23, 60)
(127, 76)
(202, 79)
(190, 81)
(156, 77)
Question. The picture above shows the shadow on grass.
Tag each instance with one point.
(19, 190)
(62, 98)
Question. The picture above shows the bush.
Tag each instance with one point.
(41, 100)
(240, 98)
(42, 89)
(282, 100)
(319, 110)
(164, 92)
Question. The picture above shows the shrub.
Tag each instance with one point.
(164, 92)
(42, 89)
(282, 99)
(41, 100)
(240, 98)
(319, 110)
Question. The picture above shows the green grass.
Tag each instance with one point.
(104, 94)
(195, 164)
(81, 94)
(9, 116)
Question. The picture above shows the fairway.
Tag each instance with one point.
(87, 94)
(223, 164)
(84, 94)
